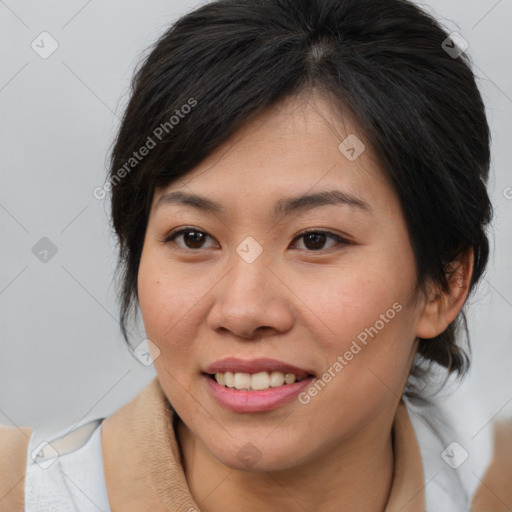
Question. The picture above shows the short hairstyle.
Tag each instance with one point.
(383, 61)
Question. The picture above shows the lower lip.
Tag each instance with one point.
(255, 401)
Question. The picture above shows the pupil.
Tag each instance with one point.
(317, 241)
(193, 239)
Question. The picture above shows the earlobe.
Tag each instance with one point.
(442, 307)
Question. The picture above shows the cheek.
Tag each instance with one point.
(365, 314)
(171, 300)
(354, 297)
(152, 297)
(161, 298)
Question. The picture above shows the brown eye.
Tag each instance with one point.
(316, 240)
(189, 238)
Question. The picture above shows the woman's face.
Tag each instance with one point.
(245, 291)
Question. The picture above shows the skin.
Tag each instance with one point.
(203, 304)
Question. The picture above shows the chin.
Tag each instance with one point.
(256, 457)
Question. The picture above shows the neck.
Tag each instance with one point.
(337, 479)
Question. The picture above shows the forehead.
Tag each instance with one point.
(301, 145)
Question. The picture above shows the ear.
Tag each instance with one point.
(441, 308)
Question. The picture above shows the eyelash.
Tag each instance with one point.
(340, 240)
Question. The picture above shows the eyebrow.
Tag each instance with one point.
(282, 207)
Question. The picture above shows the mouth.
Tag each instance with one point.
(255, 385)
(256, 381)
(256, 374)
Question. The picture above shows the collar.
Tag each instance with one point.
(144, 471)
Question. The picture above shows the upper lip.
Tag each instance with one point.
(235, 365)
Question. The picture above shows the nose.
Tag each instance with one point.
(251, 302)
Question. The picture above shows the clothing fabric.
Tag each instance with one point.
(71, 482)
(130, 462)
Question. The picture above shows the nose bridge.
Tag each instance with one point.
(248, 299)
(248, 273)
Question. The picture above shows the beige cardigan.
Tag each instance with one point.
(149, 476)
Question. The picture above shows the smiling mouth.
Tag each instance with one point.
(255, 381)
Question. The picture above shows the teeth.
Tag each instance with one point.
(242, 381)
(256, 381)
(260, 381)
(229, 380)
(276, 379)
(289, 378)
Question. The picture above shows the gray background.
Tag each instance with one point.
(62, 358)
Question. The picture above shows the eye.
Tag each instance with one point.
(315, 240)
(189, 238)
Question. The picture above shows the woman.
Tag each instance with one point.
(298, 190)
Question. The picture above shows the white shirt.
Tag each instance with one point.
(74, 480)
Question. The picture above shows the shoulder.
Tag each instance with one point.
(495, 490)
(13, 453)
(61, 472)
